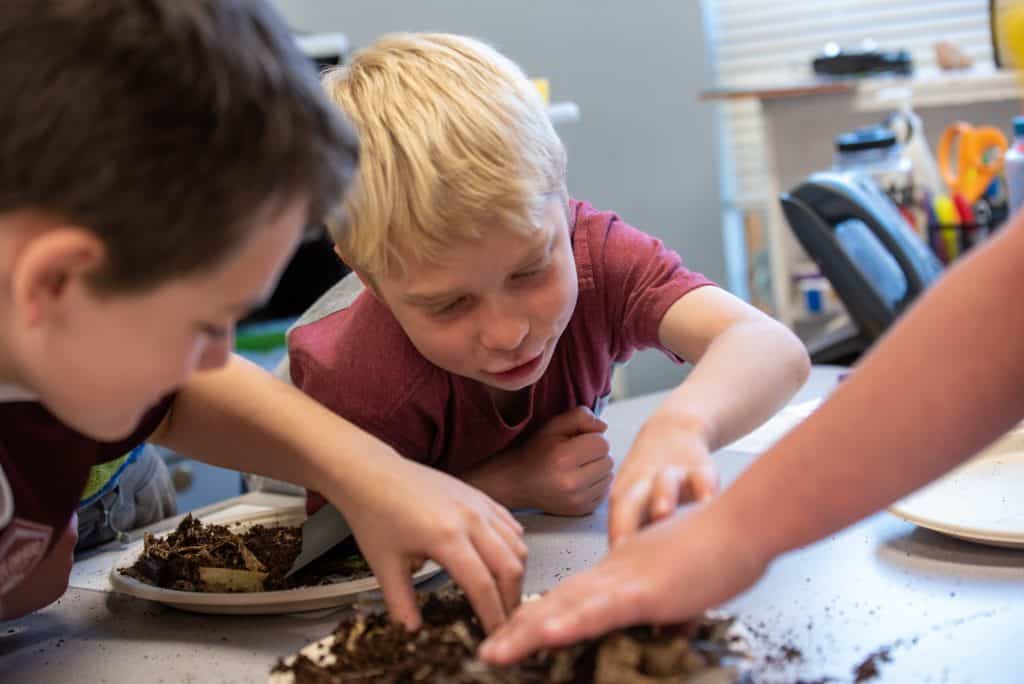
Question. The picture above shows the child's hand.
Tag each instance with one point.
(565, 468)
(664, 574)
(668, 465)
(47, 582)
(407, 513)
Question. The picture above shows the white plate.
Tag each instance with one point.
(981, 501)
(740, 636)
(257, 603)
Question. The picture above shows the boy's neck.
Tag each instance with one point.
(512, 406)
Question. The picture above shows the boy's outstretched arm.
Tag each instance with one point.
(945, 382)
(401, 512)
(747, 366)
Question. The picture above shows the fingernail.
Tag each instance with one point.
(554, 625)
(493, 651)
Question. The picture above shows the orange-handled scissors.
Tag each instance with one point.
(979, 157)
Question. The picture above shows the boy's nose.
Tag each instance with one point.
(503, 332)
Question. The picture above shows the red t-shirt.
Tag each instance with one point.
(359, 363)
(44, 466)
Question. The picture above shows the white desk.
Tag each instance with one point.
(955, 610)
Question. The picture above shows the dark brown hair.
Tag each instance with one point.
(167, 127)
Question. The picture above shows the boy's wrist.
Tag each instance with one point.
(493, 480)
(682, 418)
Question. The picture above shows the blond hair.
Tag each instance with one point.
(454, 139)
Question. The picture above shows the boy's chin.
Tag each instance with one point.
(108, 427)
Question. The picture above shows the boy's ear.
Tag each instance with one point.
(364, 278)
(368, 283)
(46, 265)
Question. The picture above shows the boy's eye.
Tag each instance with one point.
(450, 307)
(214, 331)
(525, 275)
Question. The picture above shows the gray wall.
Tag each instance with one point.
(645, 146)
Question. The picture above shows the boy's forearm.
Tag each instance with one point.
(746, 375)
(495, 481)
(243, 418)
(945, 382)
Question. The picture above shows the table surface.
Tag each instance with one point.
(943, 610)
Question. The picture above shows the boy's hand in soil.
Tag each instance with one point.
(407, 513)
(637, 583)
(47, 582)
(669, 464)
(564, 468)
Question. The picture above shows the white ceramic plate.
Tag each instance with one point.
(981, 501)
(742, 638)
(257, 603)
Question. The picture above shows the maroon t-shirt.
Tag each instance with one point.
(359, 363)
(44, 466)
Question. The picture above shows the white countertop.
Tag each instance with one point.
(949, 610)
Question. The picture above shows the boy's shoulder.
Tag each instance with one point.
(34, 445)
(607, 247)
(627, 278)
(598, 234)
(604, 246)
(349, 348)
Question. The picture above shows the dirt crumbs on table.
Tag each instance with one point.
(369, 648)
(217, 558)
(868, 668)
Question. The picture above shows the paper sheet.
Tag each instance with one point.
(92, 573)
(777, 426)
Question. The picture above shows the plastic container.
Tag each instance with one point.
(875, 152)
(1013, 166)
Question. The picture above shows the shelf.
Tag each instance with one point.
(779, 91)
(884, 93)
(939, 89)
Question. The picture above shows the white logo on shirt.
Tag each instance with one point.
(6, 501)
(22, 545)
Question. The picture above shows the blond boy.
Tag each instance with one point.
(496, 306)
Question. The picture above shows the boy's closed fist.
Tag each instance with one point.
(565, 468)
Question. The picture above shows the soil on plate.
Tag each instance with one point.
(189, 557)
(369, 648)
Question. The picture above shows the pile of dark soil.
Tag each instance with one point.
(369, 648)
(213, 558)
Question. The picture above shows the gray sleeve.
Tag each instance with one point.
(338, 297)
